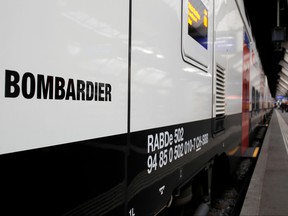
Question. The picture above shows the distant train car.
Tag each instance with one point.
(124, 107)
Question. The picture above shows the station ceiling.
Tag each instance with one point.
(264, 17)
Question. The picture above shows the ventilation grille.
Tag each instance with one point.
(220, 91)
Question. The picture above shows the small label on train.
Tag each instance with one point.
(53, 87)
(165, 147)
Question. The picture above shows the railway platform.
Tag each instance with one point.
(268, 190)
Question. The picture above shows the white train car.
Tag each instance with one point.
(123, 107)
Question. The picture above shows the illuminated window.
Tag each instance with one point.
(198, 22)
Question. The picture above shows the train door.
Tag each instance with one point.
(170, 98)
(246, 93)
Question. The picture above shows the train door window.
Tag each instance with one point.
(253, 99)
(257, 100)
(195, 31)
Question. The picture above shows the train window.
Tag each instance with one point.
(253, 99)
(198, 22)
(195, 31)
(257, 100)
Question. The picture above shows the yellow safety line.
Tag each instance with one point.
(233, 151)
(256, 151)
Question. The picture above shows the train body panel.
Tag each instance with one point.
(165, 90)
(120, 107)
(230, 24)
(62, 54)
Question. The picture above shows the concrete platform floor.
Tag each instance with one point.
(268, 190)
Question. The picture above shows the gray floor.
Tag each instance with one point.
(268, 190)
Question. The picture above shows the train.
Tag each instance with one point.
(126, 107)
